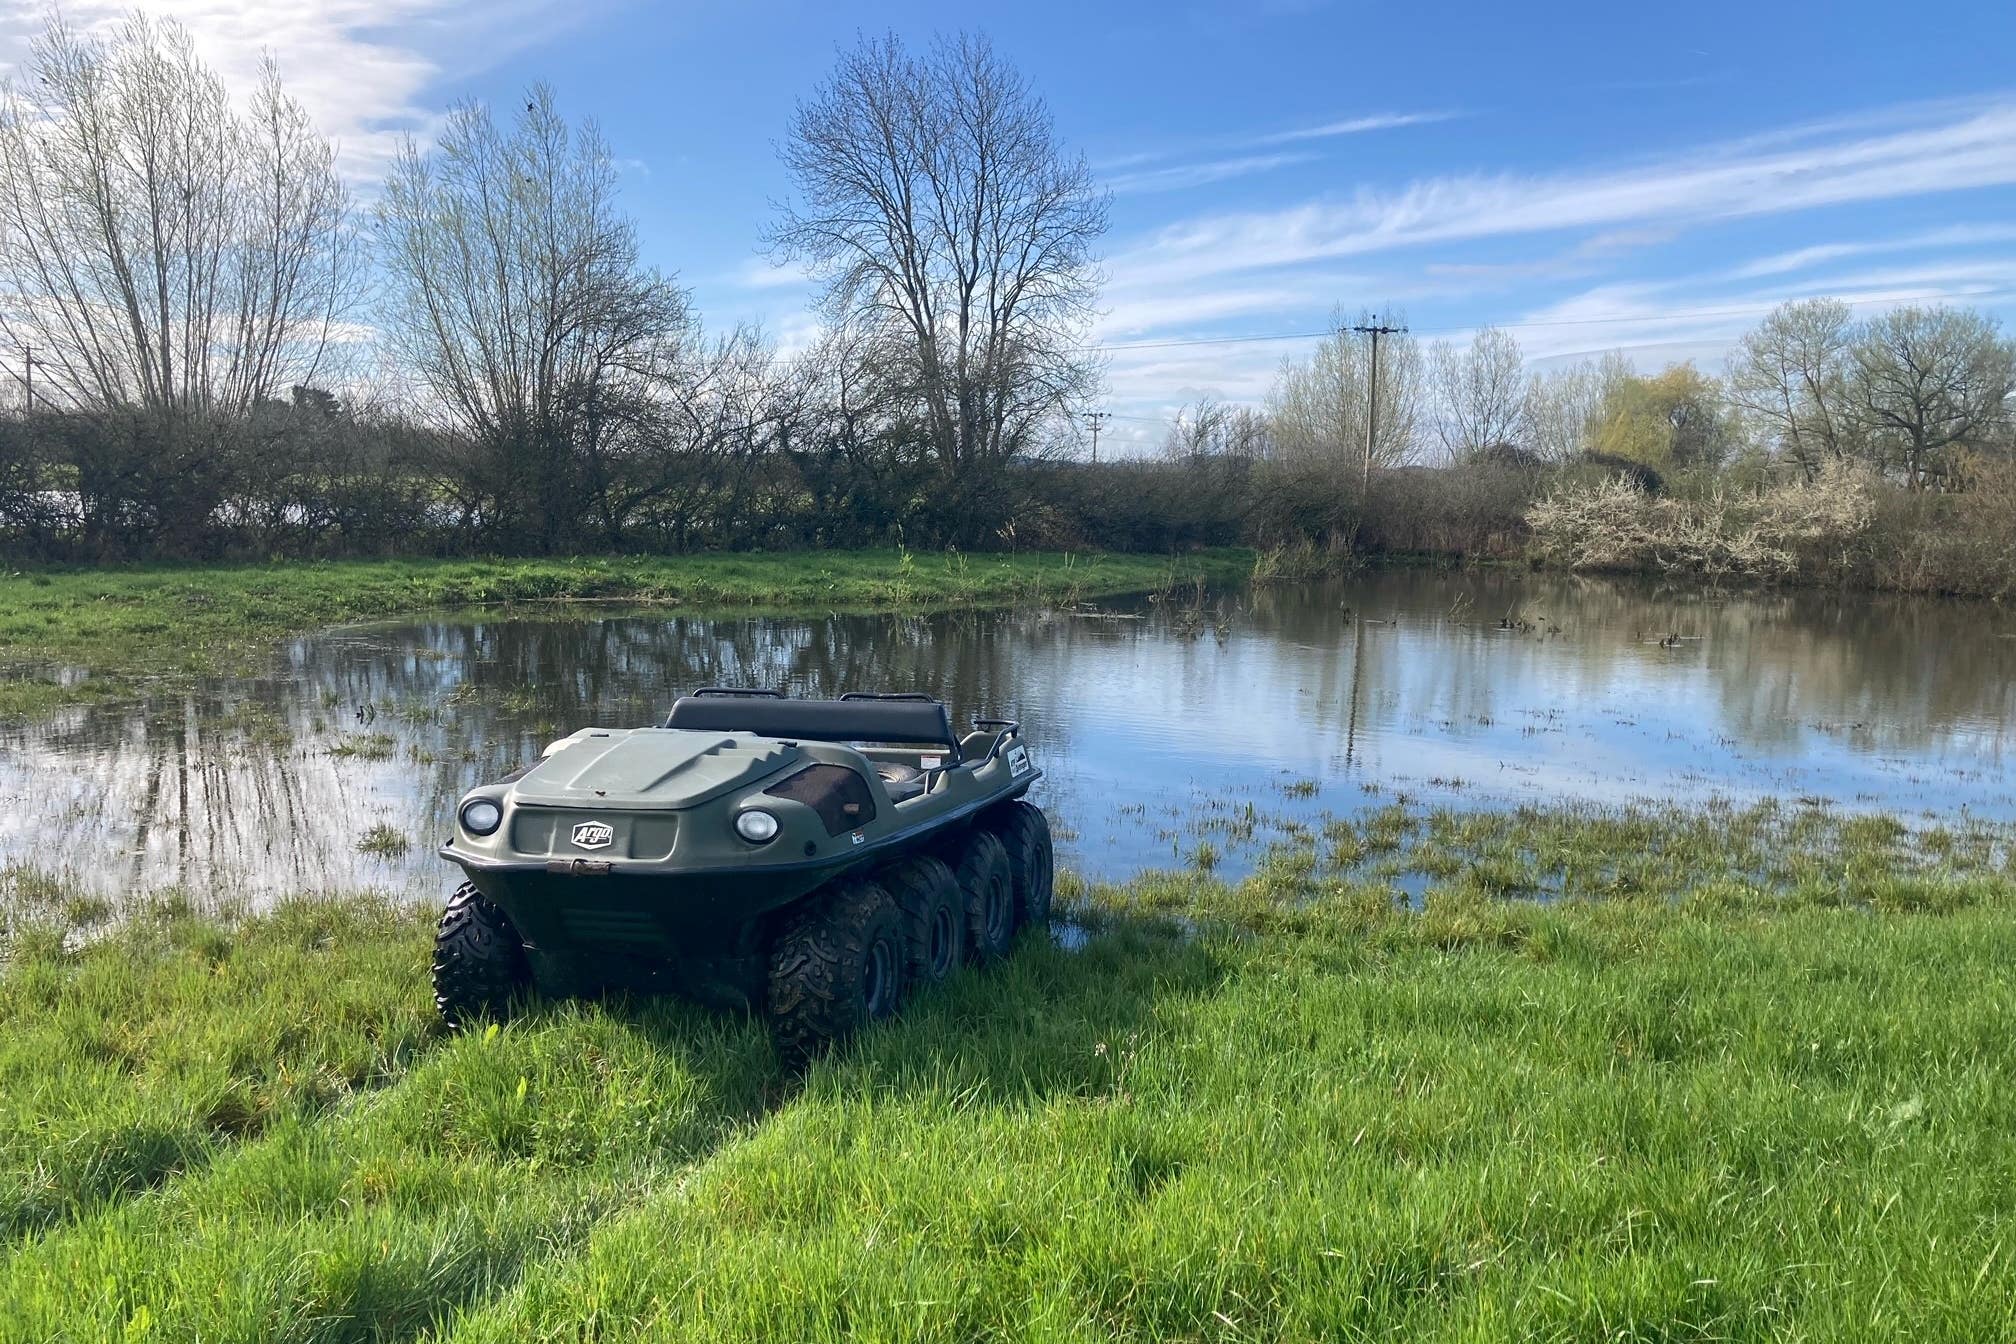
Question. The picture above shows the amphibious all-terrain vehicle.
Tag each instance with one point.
(818, 858)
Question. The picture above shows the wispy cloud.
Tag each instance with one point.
(1232, 162)
(1975, 149)
(1185, 175)
(758, 273)
(1660, 315)
(1474, 246)
(1354, 126)
(1960, 235)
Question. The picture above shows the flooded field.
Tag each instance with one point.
(1163, 726)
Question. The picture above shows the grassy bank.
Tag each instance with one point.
(120, 625)
(1749, 1077)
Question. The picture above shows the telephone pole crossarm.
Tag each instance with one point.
(1098, 420)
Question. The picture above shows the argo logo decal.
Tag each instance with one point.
(593, 834)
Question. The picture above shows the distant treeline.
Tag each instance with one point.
(232, 360)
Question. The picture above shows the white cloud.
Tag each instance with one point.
(1355, 126)
(362, 68)
(760, 273)
(1239, 165)
(1655, 316)
(1977, 148)
(1185, 175)
(1274, 269)
(1131, 312)
(1961, 235)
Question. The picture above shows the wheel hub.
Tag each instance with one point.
(878, 977)
(941, 941)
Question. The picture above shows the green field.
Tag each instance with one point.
(1746, 1075)
(127, 625)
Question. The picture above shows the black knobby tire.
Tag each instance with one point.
(986, 893)
(479, 959)
(835, 966)
(934, 918)
(1025, 834)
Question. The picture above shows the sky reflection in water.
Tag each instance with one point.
(1465, 690)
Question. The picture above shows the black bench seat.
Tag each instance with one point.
(907, 720)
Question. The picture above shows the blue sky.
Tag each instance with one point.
(1591, 176)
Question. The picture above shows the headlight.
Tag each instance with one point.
(756, 826)
(480, 816)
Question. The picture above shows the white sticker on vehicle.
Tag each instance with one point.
(858, 837)
(1018, 759)
(593, 834)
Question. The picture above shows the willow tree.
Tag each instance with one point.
(951, 228)
(160, 249)
(515, 295)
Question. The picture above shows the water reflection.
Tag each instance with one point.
(1465, 689)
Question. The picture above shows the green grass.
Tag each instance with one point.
(1750, 1078)
(121, 625)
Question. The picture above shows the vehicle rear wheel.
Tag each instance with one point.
(837, 965)
(1025, 834)
(987, 895)
(934, 921)
(479, 959)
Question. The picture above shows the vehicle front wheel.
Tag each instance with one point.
(836, 966)
(479, 959)
(1025, 834)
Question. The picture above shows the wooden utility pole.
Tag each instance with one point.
(1375, 330)
(1097, 418)
(28, 373)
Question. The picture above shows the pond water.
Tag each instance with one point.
(1459, 690)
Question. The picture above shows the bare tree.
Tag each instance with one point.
(1791, 378)
(1319, 406)
(1561, 406)
(516, 297)
(684, 464)
(953, 231)
(1212, 429)
(1480, 394)
(161, 251)
(1929, 380)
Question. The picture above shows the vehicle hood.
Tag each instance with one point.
(665, 768)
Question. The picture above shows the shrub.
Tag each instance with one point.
(1814, 530)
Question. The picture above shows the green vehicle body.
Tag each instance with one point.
(617, 857)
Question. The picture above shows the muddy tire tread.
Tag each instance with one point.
(816, 965)
(479, 964)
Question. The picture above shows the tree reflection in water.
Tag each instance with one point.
(1471, 689)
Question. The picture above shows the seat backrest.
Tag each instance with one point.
(917, 721)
